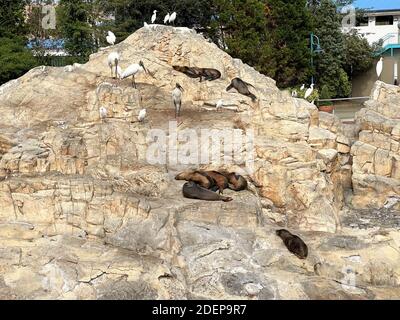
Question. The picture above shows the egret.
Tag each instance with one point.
(294, 93)
(309, 91)
(172, 17)
(119, 72)
(177, 98)
(111, 38)
(166, 19)
(133, 70)
(379, 67)
(103, 112)
(113, 60)
(220, 104)
(302, 87)
(154, 16)
(142, 115)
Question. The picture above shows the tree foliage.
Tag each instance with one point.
(77, 27)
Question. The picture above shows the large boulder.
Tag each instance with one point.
(376, 154)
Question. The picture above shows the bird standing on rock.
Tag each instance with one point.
(379, 67)
(220, 104)
(142, 115)
(309, 91)
(172, 17)
(133, 70)
(154, 16)
(166, 19)
(111, 38)
(113, 60)
(103, 112)
(177, 99)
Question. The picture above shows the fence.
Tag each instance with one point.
(345, 108)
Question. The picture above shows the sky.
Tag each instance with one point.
(378, 4)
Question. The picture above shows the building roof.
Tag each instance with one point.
(384, 12)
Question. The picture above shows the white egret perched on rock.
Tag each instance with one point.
(154, 16)
(302, 87)
(220, 104)
(309, 91)
(103, 112)
(172, 17)
(379, 67)
(177, 99)
(142, 115)
(166, 19)
(113, 61)
(111, 38)
(133, 70)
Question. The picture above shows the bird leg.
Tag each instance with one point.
(133, 82)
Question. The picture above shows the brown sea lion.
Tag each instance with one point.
(236, 182)
(221, 182)
(200, 178)
(192, 190)
(241, 87)
(294, 244)
(194, 72)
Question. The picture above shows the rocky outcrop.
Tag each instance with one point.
(376, 154)
(92, 212)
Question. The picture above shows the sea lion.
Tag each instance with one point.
(236, 182)
(194, 72)
(241, 87)
(221, 182)
(198, 177)
(192, 190)
(294, 244)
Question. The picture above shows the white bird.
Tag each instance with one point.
(146, 25)
(142, 115)
(379, 67)
(302, 87)
(154, 16)
(220, 104)
(166, 19)
(103, 112)
(111, 38)
(119, 72)
(113, 60)
(294, 93)
(172, 17)
(309, 91)
(133, 70)
(177, 99)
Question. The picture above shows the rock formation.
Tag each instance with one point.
(86, 215)
(376, 154)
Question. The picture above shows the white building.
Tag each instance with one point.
(381, 25)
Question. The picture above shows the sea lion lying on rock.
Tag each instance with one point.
(194, 72)
(198, 177)
(241, 87)
(294, 244)
(220, 181)
(192, 190)
(236, 182)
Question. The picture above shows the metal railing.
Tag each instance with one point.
(345, 108)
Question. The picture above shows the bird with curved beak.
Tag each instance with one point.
(133, 70)
(177, 99)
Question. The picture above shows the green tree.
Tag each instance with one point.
(75, 20)
(329, 65)
(243, 32)
(358, 56)
(15, 58)
(289, 24)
